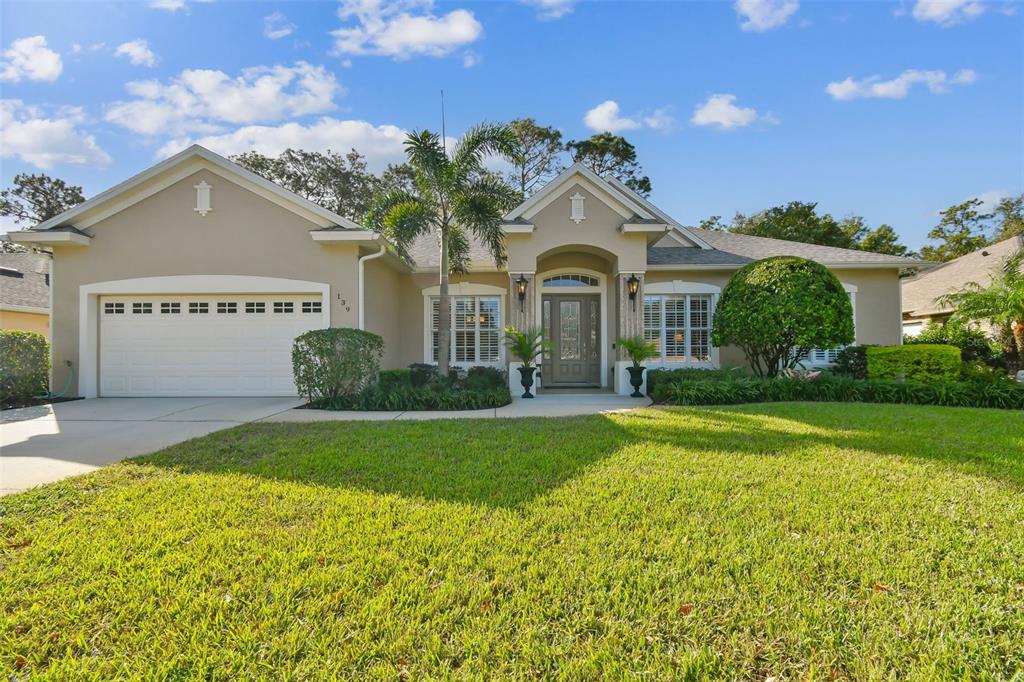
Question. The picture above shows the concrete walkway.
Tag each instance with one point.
(40, 445)
(44, 444)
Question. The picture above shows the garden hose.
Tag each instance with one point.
(49, 395)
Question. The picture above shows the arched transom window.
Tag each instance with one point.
(570, 280)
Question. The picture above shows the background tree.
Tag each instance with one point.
(339, 183)
(1000, 303)
(35, 198)
(1009, 215)
(883, 239)
(961, 230)
(396, 177)
(777, 309)
(797, 221)
(605, 153)
(540, 155)
(455, 198)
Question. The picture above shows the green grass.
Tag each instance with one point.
(801, 541)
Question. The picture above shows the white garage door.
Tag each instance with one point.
(202, 345)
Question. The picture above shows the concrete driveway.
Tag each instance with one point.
(44, 444)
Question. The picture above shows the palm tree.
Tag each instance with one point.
(456, 198)
(1001, 303)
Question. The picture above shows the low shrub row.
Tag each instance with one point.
(420, 387)
(1001, 394)
(656, 376)
(24, 367)
(923, 362)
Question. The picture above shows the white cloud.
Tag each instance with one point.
(471, 59)
(990, 199)
(201, 100)
(548, 10)
(947, 13)
(605, 117)
(277, 26)
(402, 29)
(936, 81)
(720, 111)
(168, 5)
(764, 15)
(380, 145)
(47, 140)
(660, 119)
(137, 51)
(30, 59)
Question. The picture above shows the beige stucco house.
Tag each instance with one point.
(922, 293)
(25, 292)
(193, 277)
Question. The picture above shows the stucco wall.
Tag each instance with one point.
(384, 287)
(598, 232)
(162, 235)
(877, 314)
(31, 322)
(411, 336)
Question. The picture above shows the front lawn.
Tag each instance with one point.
(792, 540)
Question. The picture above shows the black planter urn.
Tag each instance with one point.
(526, 378)
(636, 380)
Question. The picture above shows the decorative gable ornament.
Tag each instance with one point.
(203, 198)
(577, 208)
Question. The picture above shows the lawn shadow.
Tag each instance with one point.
(492, 462)
(509, 462)
(979, 441)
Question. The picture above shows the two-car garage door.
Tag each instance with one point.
(202, 345)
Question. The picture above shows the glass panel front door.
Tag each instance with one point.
(573, 325)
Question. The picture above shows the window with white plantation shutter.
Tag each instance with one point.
(679, 325)
(475, 329)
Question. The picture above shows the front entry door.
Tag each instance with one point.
(572, 322)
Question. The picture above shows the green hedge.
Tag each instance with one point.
(329, 364)
(421, 388)
(1002, 394)
(922, 362)
(656, 376)
(24, 366)
(415, 398)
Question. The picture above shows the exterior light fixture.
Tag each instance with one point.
(521, 284)
(633, 287)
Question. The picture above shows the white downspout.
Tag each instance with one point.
(362, 289)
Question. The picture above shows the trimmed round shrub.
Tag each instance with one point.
(778, 308)
(333, 363)
(920, 362)
(24, 366)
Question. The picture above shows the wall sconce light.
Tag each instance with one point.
(521, 284)
(633, 287)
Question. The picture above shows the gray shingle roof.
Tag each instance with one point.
(426, 252)
(739, 249)
(919, 293)
(24, 281)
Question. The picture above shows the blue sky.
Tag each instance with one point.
(892, 111)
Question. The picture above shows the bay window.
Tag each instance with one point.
(475, 329)
(679, 325)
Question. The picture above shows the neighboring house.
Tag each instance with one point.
(193, 277)
(25, 292)
(921, 293)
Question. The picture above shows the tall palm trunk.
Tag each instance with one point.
(1018, 338)
(444, 314)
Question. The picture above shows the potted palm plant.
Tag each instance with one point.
(526, 346)
(639, 351)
